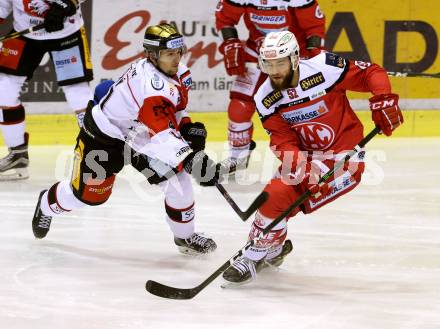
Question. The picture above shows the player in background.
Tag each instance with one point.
(302, 17)
(142, 120)
(64, 38)
(304, 108)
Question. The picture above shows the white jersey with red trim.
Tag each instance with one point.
(316, 115)
(28, 13)
(144, 108)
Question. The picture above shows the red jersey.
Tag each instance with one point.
(302, 17)
(316, 115)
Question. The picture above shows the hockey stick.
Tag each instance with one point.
(17, 34)
(414, 74)
(244, 215)
(164, 291)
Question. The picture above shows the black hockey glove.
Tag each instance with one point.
(57, 13)
(195, 134)
(205, 171)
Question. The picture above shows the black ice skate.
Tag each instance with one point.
(244, 270)
(196, 244)
(14, 166)
(231, 164)
(40, 222)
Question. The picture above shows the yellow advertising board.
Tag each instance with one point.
(397, 34)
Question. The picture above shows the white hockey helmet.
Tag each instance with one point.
(279, 45)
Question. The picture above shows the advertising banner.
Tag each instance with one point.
(401, 35)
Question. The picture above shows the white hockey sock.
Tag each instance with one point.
(59, 199)
(13, 134)
(181, 221)
(179, 204)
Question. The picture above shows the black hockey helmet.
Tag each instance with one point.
(163, 36)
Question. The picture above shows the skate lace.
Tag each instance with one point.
(6, 159)
(44, 221)
(198, 239)
(244, 265)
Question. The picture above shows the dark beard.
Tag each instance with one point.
(285, 84)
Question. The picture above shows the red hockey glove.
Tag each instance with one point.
(386, 112)
(306, 177)
(233, 52)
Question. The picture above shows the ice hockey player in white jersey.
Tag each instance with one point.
(64, 38)
(142, 120)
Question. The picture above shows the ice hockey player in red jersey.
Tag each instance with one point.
(64, 38)
(302, 17)
(304, 108)
(142, 120)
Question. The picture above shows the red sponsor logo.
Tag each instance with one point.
(117, 42)
(315, 135)
(35, 8)
(11, 52)
(270, 53)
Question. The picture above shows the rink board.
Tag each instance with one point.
(62, 128)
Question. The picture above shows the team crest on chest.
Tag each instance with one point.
(156, 82)
(315, 135)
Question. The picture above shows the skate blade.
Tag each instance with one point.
(14, 174)
(234, 285)
(191, 252)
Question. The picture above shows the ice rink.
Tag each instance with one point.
(370, 260)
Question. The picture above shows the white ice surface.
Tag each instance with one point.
(370, 260)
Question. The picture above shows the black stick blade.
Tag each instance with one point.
(160, 290)
(260, 199)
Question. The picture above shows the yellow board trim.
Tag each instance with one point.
(62, 129)
(76, 173)
(88, 57)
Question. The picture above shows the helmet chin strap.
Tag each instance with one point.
(295, 77)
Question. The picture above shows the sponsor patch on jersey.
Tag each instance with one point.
(219, 6)
(338, 186)
(156, 82)
(318, 13)
(183, 151)
(272, 98)
(362, 65)
(334, 60)
(187, 82)
(305, 113)
(68, 63)
(272, 19)
(312, 81)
